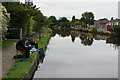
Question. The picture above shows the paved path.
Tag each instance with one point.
(7, 60)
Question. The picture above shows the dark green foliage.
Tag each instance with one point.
(40, 21)
(22, 15)
(64, 22)
(87, 18)
(116, 31)
(52, 21)
(86, 41)
(73, 19)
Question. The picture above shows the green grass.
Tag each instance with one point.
(42, 43)
(20, 69)
(6, 43)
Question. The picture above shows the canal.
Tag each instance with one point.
(79, 56)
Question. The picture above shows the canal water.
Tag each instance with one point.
(68, 57)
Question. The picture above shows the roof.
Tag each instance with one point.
(115, 20)
(101, 21)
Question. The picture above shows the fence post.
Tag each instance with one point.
(21, 33)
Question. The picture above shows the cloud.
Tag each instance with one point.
(100, 9)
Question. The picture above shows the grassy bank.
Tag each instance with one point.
(6, 43)
(42, 42)
(21, 69)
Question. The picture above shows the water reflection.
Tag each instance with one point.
(74, 54)
(42, 55)
(87, 39)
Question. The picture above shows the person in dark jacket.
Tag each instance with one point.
(33, 43)
(23, 47)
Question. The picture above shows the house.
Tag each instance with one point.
(91, 26)
(100, 25)
(78, 27)
(112, 24)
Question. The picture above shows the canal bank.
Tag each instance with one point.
(26, 69)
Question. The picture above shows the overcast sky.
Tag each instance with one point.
(68, 8)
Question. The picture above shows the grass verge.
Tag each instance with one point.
(6, 43)
(42, 42)
(20, 69)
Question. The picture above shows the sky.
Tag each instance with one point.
(68, 8)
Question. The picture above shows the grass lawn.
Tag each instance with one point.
(6, 43)
(20, 69)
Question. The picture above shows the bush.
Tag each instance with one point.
(5, 21)
(116, 31)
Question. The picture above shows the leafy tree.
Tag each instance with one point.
(52, 18)
(52, 21)
(40, 21)
(25, 16)
(87, 18)
(75, 21)
(111, 19)
(64, 22)
(19, 14)
(73, 18)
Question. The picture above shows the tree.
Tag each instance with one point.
(87, 18)
(52, 21)
(40, 21)
(63, 22)
(73, 18)
(19, 14)
(111, 19)
(52, 18)
(25, 16)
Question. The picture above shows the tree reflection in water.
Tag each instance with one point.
(87, 38)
